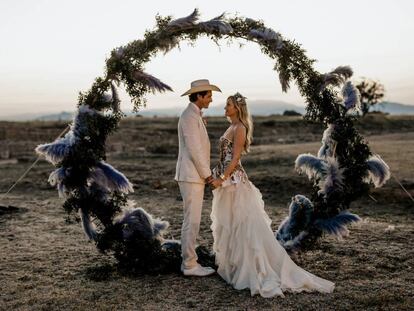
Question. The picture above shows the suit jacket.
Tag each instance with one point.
(193, 164)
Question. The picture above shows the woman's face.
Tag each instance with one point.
(230, 109)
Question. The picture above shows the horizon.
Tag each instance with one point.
(69, 43)
(257, 108)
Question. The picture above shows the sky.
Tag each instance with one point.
(53, 49)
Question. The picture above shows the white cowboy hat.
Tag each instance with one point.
(201, 85)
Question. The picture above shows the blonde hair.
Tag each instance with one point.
(239, 102)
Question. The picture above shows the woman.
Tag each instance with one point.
(247, 252)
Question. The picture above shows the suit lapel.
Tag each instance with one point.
(195, 111)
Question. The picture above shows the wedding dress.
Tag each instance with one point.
(247, 252)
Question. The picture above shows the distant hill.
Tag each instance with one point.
(64, 115)
(269, 107)
(257, 107)
(394, 108)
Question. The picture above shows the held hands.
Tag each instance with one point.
(215, 182)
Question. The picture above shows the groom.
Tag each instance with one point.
(193, 171)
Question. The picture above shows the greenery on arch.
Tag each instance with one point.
(97, 190)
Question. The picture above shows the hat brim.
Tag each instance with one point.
(201, 88)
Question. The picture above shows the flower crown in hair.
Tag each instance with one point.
(239, 98)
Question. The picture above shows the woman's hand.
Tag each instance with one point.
(216, 183)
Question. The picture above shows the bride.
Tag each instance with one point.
(247, 252)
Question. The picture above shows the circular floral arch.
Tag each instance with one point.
(340, 172)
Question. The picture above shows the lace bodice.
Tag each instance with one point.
(226, 155)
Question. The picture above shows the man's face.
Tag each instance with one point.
(205, 100)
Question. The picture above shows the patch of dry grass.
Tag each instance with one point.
(46, 263)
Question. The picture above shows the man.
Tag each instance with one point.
(193, 171)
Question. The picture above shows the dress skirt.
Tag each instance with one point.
(247, 252)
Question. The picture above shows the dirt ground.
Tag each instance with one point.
(46, 262)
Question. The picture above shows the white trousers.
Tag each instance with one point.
(192, 194)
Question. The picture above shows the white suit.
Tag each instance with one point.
(193, 167)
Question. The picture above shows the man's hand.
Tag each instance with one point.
(209, 179)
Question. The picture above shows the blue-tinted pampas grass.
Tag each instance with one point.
(332, 178)
(138, 223)
(57, 178)
(378, 171)
(184, 22)
(87, 225)
(337, 225)
(216, 24)
(107, 177)
(153, 83)
(351, 96)
(312, 166)
(337, 77)
(55, 152)
(328, 144)
(293, 229)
